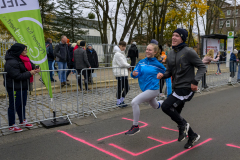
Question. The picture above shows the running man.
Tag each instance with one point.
(146, 71)
(180, 65)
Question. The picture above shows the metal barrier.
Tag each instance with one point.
(40, 106)
(68, 101)
(216, 78)
(104, 52)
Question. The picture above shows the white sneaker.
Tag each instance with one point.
(160, 103)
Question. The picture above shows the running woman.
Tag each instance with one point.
(146, 71)
(180, 65)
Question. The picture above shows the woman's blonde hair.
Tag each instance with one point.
(210, 53)
(78, 42)
(74, 44)
(156, 49)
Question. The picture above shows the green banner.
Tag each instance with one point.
(22, 18)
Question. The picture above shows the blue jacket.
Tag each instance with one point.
(148, 69)
(233, 57)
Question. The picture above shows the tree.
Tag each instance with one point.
(4, 33)
(68, 20)
(47, 8)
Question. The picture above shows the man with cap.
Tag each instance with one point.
(133, 54)
(181, 62)
(93, 60)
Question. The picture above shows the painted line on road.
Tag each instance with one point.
(145, 125)
(91, 145)
(179, 154)
(232, 145)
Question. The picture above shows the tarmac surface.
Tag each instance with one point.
(214, 115)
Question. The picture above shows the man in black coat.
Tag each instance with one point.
(133, 54)
(93, 60)
(50, 56)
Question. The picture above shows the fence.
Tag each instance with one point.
(69, 101)
(104, 52)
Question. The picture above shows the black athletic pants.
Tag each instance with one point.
(172, 106)
(84, 73)
(123, 87)
(133, 62)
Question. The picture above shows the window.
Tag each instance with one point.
(235, 23)
(211, 31)
(228, 23)
(236, 11)
(228, 12)
(220, 24)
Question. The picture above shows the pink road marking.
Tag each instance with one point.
(170, 129)
(139, 153)
(145, 124)
(179, 154)
(91, 145)
(161, 141)
(232, 145)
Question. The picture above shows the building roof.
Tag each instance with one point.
(216, 36)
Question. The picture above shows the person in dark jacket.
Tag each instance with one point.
(50, 56)
(62, 57)
(20, 73)
(133, 54)
(81, 62)
(70, 62)
(233, 65)
(181, 63)
(93, 60)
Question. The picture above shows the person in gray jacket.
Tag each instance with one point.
(62, 57)
(181, 62)
(81, 62)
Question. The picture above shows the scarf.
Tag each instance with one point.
(27, 64)
(179, 47)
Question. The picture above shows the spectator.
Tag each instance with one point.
(81, 62)
(163, 54)
(224, 55)
(207, 60)
(70, 62)
(93, 60)
(133, 54)
(20, 73)
(238, 77)
(232, 65)
(218, 63)
(154, 41)
(50, 56)
(120, 72)
(62, 57)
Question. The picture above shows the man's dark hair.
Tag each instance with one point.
(122, 43)
(49, 40)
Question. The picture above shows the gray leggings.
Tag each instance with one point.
(146, 96)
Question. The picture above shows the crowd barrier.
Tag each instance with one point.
(69, 101)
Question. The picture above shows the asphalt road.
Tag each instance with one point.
(214, 115)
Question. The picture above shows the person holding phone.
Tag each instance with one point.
(20, 71)
(181, 64)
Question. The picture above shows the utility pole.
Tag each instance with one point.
(234, 17)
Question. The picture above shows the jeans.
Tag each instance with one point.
(50, 68)
(238, 77)
(62, 74)
(218, 70)
(20, 103)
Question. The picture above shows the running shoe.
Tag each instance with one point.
(191, 141)
(16, 129)
(183, 131)
(26, 124)
(160, 103)
(133, 130)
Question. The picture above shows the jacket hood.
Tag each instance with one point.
(117, 49)
(9, 56)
